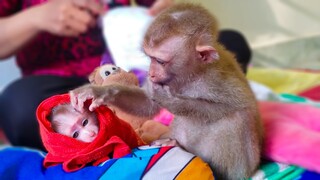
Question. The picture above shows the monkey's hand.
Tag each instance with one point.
(165, 142)
(100, 95)
(162, 94)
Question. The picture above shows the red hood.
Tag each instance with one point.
(115, 138)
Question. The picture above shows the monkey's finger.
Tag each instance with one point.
(73, 99)
(79, 106)
(82, 98)
(162, 142)
(95, 104)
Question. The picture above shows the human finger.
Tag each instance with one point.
(158, 6)
(70, 32)
(64, 30)
(95, 7)
(74, 25)
(81, 16)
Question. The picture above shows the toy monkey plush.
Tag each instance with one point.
(110, 74)
(149, 130)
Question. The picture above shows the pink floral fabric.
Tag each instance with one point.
(52, 55)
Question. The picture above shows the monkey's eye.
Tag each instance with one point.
(85, 122)
(75, 134)
(107, 73)
(159, 61)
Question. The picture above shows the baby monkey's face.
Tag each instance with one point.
(81, 126)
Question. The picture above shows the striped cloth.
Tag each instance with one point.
(277, 171)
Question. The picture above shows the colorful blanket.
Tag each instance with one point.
(143, 163)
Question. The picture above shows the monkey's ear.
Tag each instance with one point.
(207, 53)
(92, 75)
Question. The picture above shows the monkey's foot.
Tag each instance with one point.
(165, 142)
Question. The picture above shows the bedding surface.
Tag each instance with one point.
(145, 162)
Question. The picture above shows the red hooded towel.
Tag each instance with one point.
(115, 138)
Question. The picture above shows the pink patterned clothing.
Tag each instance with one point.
(47, 54)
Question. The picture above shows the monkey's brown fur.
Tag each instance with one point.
(216, 114)
(200, 82)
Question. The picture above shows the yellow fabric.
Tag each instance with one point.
(284, 81)
(202, 172)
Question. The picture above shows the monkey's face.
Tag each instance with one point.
(81, 126)
(165, 60)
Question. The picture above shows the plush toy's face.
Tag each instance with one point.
(101, 73)
(107, 70)
(110, 74)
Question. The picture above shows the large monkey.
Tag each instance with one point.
(200, 82)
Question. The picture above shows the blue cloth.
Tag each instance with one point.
(309, 175)
(19, 163)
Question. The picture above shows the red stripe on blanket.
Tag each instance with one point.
(156, 157)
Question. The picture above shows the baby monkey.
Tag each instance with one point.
(82, 126)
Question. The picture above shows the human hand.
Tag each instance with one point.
(67, 17)
(158, 6)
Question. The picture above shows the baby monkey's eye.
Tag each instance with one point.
(75, 134)
(85, 122)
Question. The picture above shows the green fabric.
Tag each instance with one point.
(291, 98)
(289, 173)
(269, 169)
(277, 171)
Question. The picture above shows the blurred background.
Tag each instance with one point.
(281, 33)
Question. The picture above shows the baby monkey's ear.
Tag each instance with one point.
(92, 76)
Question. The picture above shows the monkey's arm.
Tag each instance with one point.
(134, 100)
(183, 105)
(187, 106)
(130, 99)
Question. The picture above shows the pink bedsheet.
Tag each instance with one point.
(292, 133)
